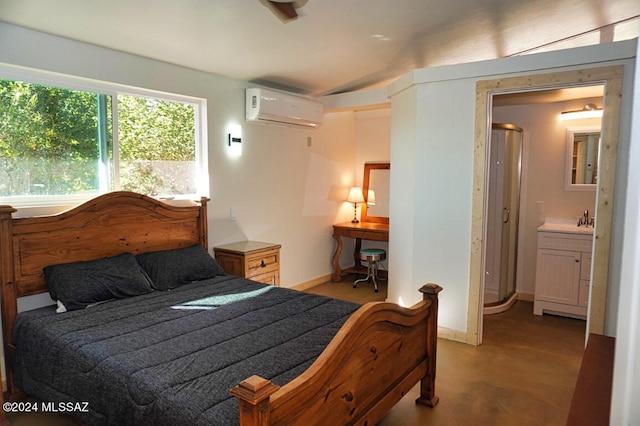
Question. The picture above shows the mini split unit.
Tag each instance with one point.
(268, 106)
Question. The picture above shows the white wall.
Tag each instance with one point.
(544, 162)
(373, 142)
(433, 124)
(285, 191)
(430, 222)
(401, 196)
(373, 138)
(625, 409)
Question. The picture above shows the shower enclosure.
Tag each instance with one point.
(503, 200)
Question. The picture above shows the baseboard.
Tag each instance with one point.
(527, 297)
(312, 283)
(450, 334)
(444, 333)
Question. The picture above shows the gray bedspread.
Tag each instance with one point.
(170, 358)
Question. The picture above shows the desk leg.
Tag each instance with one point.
(356, 254)
(337, 271)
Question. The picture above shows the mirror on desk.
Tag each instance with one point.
(582, 159)
(376, 178)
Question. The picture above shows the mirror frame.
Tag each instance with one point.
(568, 184)
(364, 217)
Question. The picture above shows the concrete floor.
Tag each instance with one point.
(523, 373)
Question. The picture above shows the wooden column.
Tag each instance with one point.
(253, 395)
(427, 384)
(203, 222)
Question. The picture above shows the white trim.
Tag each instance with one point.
(567, 59)
(47, 200)
(116, 142)
(31, 75)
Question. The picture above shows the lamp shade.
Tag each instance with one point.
(371, 198)
(355, 195)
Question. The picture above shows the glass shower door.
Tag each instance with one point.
(502, 213)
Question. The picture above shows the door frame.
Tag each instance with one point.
(612, 78)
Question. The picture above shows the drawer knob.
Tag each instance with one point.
(577, 260)
(263, 265)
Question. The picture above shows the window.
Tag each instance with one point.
(64, 141)
(157, 146)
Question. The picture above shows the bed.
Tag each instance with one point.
(165, 355)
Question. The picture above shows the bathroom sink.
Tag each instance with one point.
(565, 226)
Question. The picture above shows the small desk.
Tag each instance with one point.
(360, 231)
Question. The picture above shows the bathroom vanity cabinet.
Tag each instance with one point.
(563, 270)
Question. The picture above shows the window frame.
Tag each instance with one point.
(64, 81)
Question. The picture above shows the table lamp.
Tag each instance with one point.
(355, 197)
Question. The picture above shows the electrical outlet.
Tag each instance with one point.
(539, 206)
(308, 141)
(233, 214)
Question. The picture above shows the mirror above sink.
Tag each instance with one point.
(583, 145)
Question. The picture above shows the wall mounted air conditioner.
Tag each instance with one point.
(268, 106)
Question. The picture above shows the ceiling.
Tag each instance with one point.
(333, 46)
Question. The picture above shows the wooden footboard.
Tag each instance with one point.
(380, 353)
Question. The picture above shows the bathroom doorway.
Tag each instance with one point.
(611, 77)
(547, 167)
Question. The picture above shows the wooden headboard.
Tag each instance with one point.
(108, 225)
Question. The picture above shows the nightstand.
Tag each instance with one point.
(251, 259)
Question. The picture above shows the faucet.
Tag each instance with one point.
(585, 220)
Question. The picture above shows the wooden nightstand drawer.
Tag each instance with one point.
(272, 278)
(267, 261)
(251, 259)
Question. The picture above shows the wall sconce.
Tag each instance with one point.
(355, 197)
(234, 140)
(588, 111)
